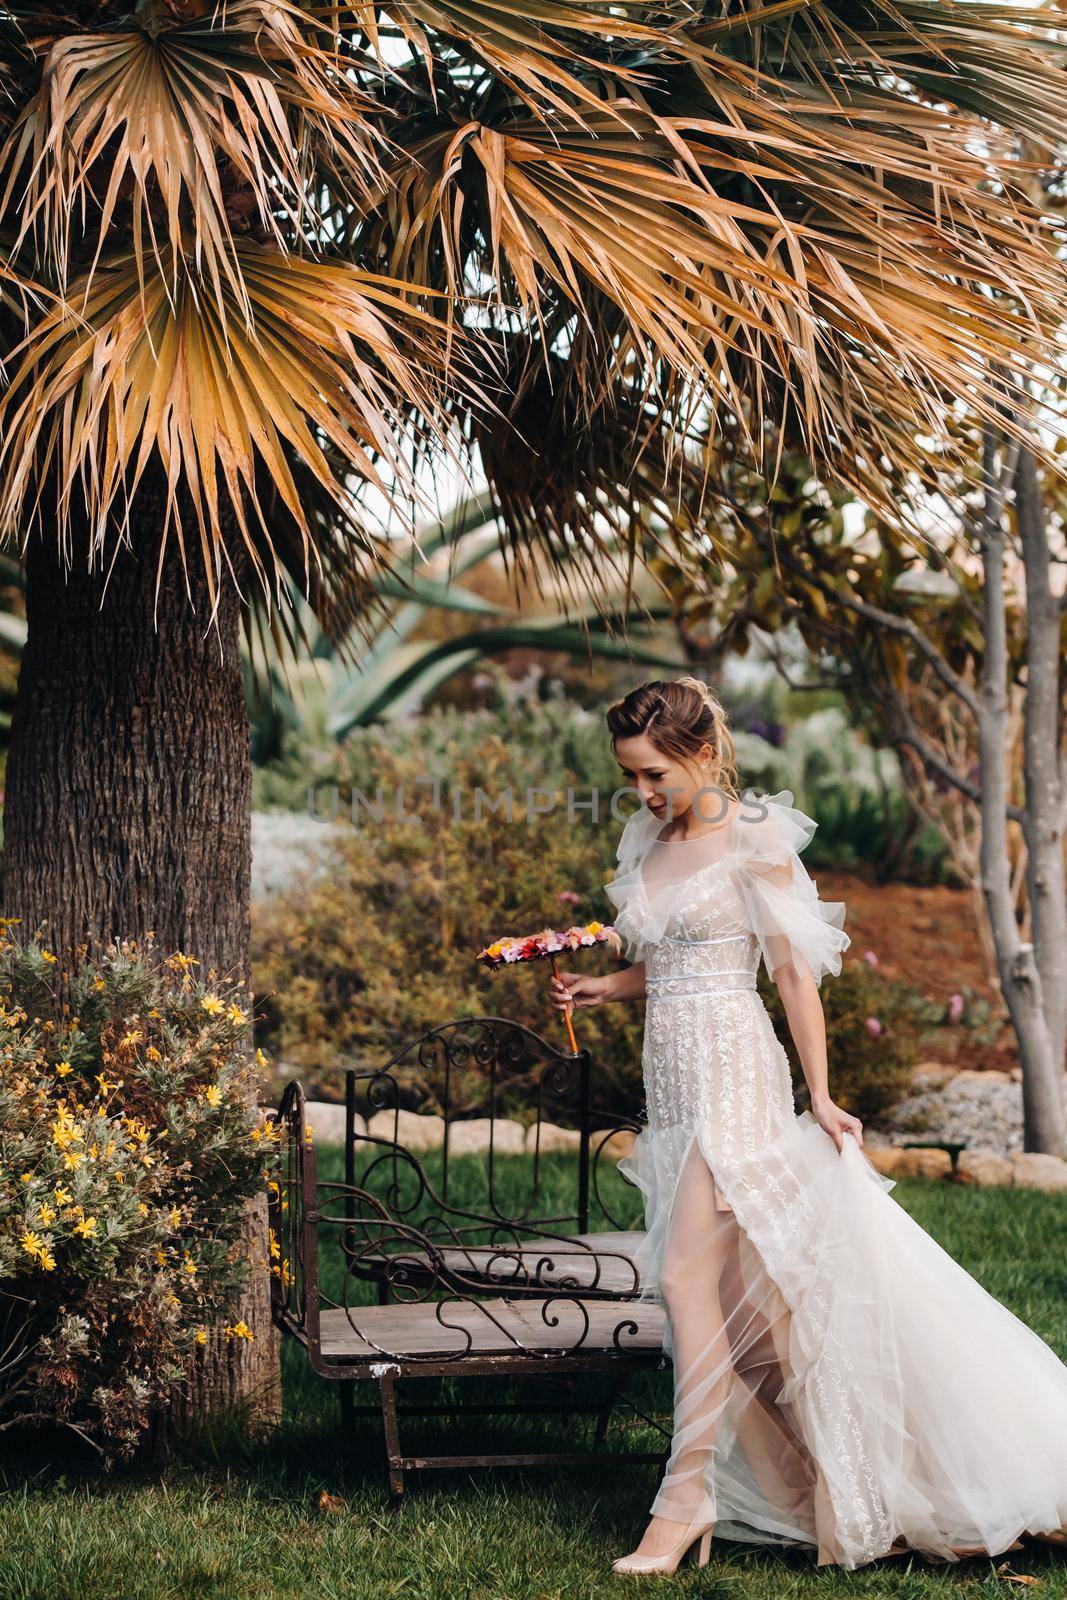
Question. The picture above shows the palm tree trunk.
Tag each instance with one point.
(128, 801)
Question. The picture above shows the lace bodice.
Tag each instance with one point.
(706, 942)
(700, 913)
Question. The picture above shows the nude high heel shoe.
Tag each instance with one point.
(672, 1560)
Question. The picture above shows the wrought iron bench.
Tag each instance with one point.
(427, 1281)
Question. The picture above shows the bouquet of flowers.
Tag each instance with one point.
(546, 945)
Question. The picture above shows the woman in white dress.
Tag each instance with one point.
(840, 1382)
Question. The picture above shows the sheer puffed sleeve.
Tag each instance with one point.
(792, 924)
(624, 890)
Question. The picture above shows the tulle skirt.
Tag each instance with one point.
(840, 1381)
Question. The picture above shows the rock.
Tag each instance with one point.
(931, 1074)
(326, 1119)
(975, 1075)
(933, 1163)
(1016, 1074)
(615, 1146)
(924, 1164)
(884, 1158)
(288, 846)
(973, 1109)
(551, 1138)
(472, 1135)
(1036, 1171)
(410, 1128)
(983, 1168)
(892, 1161)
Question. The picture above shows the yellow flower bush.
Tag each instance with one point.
(130, 1140)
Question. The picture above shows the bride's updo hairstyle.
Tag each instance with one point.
(679, 716)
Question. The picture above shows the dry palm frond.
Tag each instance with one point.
(187, 136)
(740, 253)
(795, 223)
(1003, 65)
(582, 483)
(542, 48)
(334, 355)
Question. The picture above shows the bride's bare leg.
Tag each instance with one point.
(698, 1247)
(758, 1322)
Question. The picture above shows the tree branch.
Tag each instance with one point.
(903, 626)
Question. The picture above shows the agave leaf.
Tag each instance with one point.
(412, 670)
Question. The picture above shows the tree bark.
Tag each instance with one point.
(1042, 738)
(128, 806)
(1020, 979)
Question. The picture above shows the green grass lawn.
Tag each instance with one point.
(225, 1520)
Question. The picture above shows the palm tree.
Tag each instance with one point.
(264, 261)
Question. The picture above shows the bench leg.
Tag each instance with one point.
(604, 1414)
(391, 1425)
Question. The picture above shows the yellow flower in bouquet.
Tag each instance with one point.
(548, 943)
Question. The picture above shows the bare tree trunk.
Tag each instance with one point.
(1041, 745)
(1020, 979)
(128, 805)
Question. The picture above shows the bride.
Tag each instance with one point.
(839, 1380)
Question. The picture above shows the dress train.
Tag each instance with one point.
(840, 1381)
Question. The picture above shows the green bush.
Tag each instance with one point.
(853, 791)
(551, 743)
(874, 1026)
(130, 1142)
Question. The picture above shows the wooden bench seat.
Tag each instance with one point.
(589, 1263)
(568, 1325)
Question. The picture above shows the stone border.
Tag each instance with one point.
(976, 1167)
(470, 1136)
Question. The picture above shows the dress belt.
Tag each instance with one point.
(687, 983)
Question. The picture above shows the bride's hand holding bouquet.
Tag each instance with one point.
(578, 989)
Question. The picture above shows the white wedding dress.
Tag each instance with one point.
(839, 1380)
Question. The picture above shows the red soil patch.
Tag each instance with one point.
(926, 937)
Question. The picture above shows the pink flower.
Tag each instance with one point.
(873, 1026)
(955, 1007)
(870, 958)
(568, 897)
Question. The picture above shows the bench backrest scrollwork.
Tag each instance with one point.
(490, 1068)
(402, 1222)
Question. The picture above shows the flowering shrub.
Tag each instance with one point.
(873, 1028)
(130, 1141)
